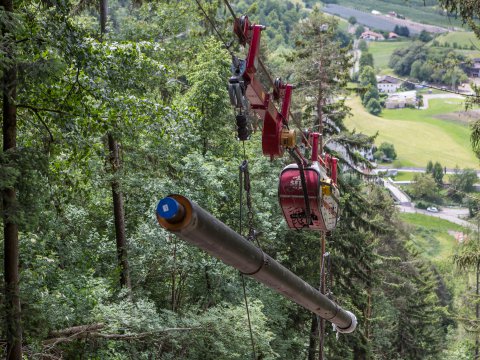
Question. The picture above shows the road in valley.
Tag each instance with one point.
(451, 214)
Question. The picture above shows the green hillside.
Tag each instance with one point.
(417, 135)
(462, 38)
(382, 51)
(431, 237)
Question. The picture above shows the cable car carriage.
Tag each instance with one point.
(314, 202)
(307, 191)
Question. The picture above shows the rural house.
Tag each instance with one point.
(392, 35)
(371, 35)
(388, 84)
(401, 100)
(473, 69)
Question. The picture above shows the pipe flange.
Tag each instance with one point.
(352, 326)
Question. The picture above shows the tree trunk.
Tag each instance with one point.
(368, 311)
(10, 228)
(477, 310)
(359, 353)
(477, 292)
(322, 290)
(312, 346)
(118, 207)
(118, 212)
(174, 276)
(103, 16)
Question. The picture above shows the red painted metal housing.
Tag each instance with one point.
(320, 177)
(260, 101)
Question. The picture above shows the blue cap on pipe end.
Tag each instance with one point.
(168, 208)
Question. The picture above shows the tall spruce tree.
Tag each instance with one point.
(9, 196)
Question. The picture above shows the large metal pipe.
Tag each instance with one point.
(185, 218)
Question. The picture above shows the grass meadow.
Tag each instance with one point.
(417, 135)
(431, 237)
(410, 175)
(462, 38)
(382, 51)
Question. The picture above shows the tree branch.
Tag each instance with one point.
(43, 122)
(91, 331)
(34, 108)
(76, 329)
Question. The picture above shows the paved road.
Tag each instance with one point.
(427, 97)
(411, 169)
(398, 194)
(449, 214)
(454, 215)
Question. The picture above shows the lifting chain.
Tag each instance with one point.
(245, 180)
(236, 92)
(328, 275)
(244, 184)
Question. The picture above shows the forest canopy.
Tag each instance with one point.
(108, 109)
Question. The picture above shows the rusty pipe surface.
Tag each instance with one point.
(193, 224)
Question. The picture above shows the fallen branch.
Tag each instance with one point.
(91, 331)
(76, 329)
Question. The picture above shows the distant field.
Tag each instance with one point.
(409, 175)
(469, 53)
(405, 176)
(382, 51)
(412, 9)
(462, 38)
(418, 136)
(431, 238)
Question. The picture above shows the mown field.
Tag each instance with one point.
(417, 135)
(462, 38)
(410, 175)
(382, 51)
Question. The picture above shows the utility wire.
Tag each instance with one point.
(241, 176)
(214, 27)
(230, 8)
(267, 74)
(432, 87)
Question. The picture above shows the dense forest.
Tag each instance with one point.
(107, 109)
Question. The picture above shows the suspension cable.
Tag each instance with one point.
(220, 37)
(433, 87)
(230, 8)
(243, 171)
(266, 72)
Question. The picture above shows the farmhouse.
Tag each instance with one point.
(371, 35)
(401, 100)
(392, 35)
(473, 70)
(388, 84)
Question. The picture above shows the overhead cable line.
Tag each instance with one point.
(243, 174)
(230, 8)
(433, 87)
(269, 77)
(214, 27)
